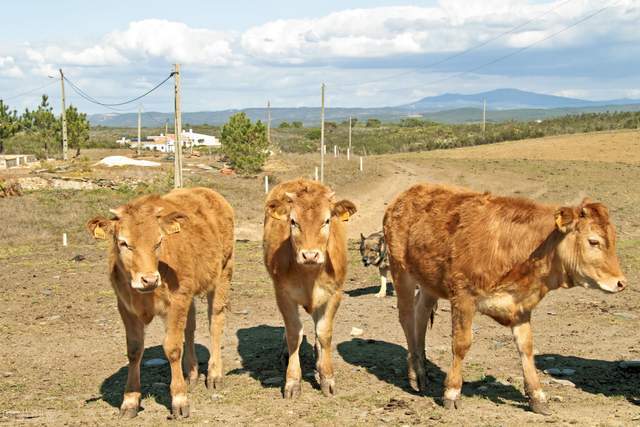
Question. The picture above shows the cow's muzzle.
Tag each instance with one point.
(310, 257)
(146, 282)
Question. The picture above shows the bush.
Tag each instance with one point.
(244, 143)
(373, 123)
(297, 125)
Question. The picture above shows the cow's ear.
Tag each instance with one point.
(171, 223)
(344, 209)
(565, 219)
(362, 236)
(99, 227)
(279, 209)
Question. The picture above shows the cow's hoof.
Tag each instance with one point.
(180, 407)
(128, 412)
(418, 382)
(540, 407)
(292, 389)
(328, 386)
(381, 295)
(451, 404)
(215, 383)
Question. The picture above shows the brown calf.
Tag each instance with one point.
(305, 252)
(496, 255)
(164, 250)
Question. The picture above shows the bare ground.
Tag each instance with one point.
(62, 352)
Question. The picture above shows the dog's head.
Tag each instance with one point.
(372, 248)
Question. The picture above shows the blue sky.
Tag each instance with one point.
(369, 53)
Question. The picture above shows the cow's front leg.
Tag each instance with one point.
(134, 329)
(173, 341)
(323, 318)
(462, 311)
(293, 332)
(190, 360)
(524, 340)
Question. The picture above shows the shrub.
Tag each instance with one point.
(244, 143)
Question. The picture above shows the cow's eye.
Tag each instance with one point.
(157, 245)
(594, 242)
(326, 222)
(123, 244)
(294, 223)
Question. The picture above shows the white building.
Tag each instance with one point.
(166, 143)
(199, 139)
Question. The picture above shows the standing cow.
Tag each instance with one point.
(163, 251)
(305, 253)
(496, 255)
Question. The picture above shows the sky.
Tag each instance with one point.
(237, 54)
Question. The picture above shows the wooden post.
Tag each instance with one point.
(266, 184)
(335, 151)
(348, 153)
(65, 142)
(316, 174)
(323, 149)
(361, 168)
(64, 239)
(177, 180)
(139, 125)
(484, 115)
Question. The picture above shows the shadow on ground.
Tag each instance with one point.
(596, 376)
(369, 290)
(112, 388)
(388, 362)
(261, 349)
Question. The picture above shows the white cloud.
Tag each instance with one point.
(8, 67)
(451, 26)
(145, 40)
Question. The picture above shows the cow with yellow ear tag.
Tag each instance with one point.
(305, 252)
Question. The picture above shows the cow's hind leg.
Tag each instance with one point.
(217, 304)
(293, 331)
(134, 329)
(173, 342)
(425, 304)
(524, 341)
(190, 360)
(405, 286)
(323, 318)
(462, 311)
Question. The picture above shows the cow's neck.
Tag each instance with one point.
(541, 272)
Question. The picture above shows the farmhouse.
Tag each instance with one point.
(166, 143)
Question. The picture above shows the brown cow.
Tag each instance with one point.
(164, 250)
(305, 252)
(496, 255)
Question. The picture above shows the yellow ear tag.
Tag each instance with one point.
(99, 233)
(344, 216)
(174, 228)
(559, 221)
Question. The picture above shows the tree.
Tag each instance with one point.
(373, 123)
(245, 143)
(9, 123)
(77, 129)
(296, 124)
(43, 124)
(284, 125)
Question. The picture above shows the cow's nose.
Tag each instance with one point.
(622, 284)
(311, 256)
(150, 281)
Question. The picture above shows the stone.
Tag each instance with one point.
(155, 362)
(562, 382)
(356, 332)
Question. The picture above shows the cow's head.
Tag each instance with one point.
(137, 233)
(310, 214)
(588, 249)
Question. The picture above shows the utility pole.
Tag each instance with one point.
(177, 180)
(484, 115)
(166, 127)
(269, 122)
(322, 137)
(349, 133)
(65, 144)
(139, 125)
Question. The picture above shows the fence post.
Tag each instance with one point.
(266, 184)
(361, 164)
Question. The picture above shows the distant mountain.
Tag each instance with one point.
(506, 99)
(502, 104)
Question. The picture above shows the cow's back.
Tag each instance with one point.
(442, 234)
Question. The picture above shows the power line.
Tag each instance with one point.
(464, 52)
(30, 91)
(93, 100)
(516, 52)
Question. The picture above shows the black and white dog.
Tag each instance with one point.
(374, 252)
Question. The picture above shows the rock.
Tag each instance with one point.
(562, 382)
(216, 396)
(356, 332)
(78, 258)
(557, 398)
(7, 374)
(155, 362)
(629, 364)
(625, 316)
(53, 318)
(551, 313)
(553, 371)
(272, 381)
